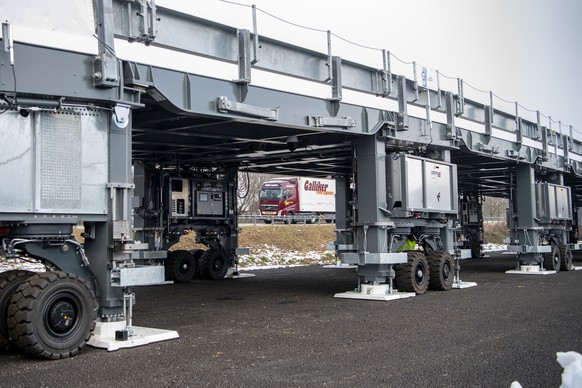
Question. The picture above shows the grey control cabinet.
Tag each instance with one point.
(419, 184)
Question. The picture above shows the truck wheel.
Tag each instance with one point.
(289, 218)
(413, 276)
(552, 260)
(267, 221)
(9, 282)
(440, 264)
(213, 265)
(52, 315)
(565, 257)
(311, 218)
(180, 266)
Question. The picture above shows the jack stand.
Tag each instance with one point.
(375, 291)
(457, 282)
(523, 269)
(122, 334)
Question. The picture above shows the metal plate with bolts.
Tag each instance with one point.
(529, 270)
(374, 292)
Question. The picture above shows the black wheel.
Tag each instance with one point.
(196, 254)
(311, 218)
(475, 249)
(267, 221)
(552, 261)
(413, 276)
(180, 266)
(52, 315)
(213, 265)
(289, 218)
(9, 282)
(440, 264)
(565, 257)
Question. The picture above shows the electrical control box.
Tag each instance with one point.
(209, 198)
(553, 203)
(180, 198)
(417, 184)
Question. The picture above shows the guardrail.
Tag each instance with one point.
(274, 220)
(491, 220)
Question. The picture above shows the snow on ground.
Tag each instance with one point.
(273, 257)
(493, 247)
(261, 258)
(13, 264)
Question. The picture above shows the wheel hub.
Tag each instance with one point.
(62, 316)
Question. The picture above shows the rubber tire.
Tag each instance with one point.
(9, 282)
(440, 264)
(311, 219)
(213, 265)
(196, 254)
(565, 257)
(407, 274)
(475, 249)
(30, 326)
(268, 221)
(553, 260)
(180, 266)
(289, 219)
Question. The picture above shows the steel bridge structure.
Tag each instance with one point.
(135, 121)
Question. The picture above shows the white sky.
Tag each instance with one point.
(524, 50)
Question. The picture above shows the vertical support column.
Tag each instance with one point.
(372, 237)
(526, 226)
(343, 216)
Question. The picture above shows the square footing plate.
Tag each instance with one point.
(529, 272)
(340, 266)
(242, 275)
(460, 286)
(382, 297)
(104, 336)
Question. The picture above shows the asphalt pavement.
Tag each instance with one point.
(284, 328)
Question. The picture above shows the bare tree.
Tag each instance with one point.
(249, 185)
(494, 207)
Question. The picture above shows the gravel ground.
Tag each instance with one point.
(284, 328)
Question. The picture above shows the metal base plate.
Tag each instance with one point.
(340, 266)
(460, 285)
(242, 275)
(374, 292)
(529, 270)
(104, 336)
(575, 268)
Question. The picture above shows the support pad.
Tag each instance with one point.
(232, 274)
(374, 292)
(529, 270)
(104, 336)
(576, 268)
(242, 275)
(459, 285)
